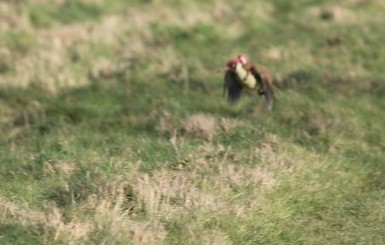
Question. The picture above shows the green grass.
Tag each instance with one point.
(97, 137)
(44, 15)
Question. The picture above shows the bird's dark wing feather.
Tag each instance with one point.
(232, 87)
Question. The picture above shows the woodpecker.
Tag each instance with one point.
(241, 74)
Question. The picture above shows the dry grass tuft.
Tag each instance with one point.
(241, 176)
(166, 123)
(216, 238)
(11, 19)
(168, 192)
(60, 167)
(77, 230)
(113, 208)
(200, 126)
(24, 216)
(47, 65)
(229, 124)
(53, 221)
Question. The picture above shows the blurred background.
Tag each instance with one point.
(114, 128)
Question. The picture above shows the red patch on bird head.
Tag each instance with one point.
(232, 63)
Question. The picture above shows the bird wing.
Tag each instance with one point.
(232, 87)
(265, 82)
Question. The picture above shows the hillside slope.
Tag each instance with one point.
(114, 129)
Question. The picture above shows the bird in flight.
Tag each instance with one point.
(241, 73)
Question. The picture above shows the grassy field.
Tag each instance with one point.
(114, 129)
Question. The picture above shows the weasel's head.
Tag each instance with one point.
(243, 59)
